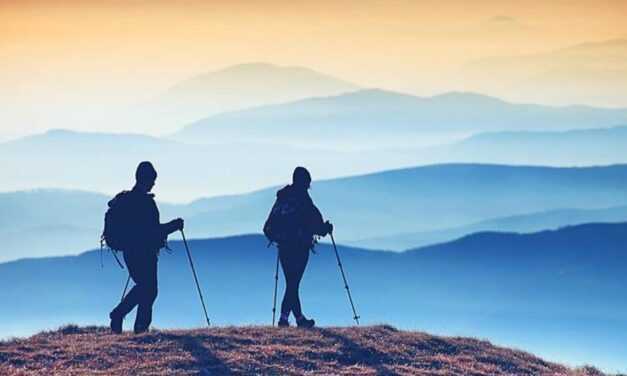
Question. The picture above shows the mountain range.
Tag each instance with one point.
(582, 147)
(507, 220)
(104, 162)
(374, 117)
(440, 202)
(430, 198)
(556, 293)
(524, 223)
(234, 88)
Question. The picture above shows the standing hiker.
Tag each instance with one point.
(132, 226)
(292, 224)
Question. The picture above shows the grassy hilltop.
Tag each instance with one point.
(374, 350)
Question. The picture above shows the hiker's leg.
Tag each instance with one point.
(286, 259)
(300, 263)
(147, 294)
(128, 303)
(133, 264)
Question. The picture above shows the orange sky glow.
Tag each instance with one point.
(145, 46)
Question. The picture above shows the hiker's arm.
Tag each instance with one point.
(164, 229)
(172, 226)
(319, 226)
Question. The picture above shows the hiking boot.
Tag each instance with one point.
(116, 323)
(283, 323)
(303, 322)
(141, 329)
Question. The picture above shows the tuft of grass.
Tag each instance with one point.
(373, 350)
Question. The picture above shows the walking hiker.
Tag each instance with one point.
(132, 225)
(292, 224)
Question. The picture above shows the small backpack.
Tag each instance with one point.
(284, 222)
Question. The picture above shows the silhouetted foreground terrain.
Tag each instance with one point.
(262, 350)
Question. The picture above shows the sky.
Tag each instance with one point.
(59, 55)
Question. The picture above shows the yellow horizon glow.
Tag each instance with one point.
(373, 43)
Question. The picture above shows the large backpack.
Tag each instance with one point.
(116, 227)
(285, 221)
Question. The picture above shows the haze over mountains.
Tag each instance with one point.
(556, 293)
(377, 118)
(587, 73)
(332, 139)
(523, 223)
(434, 199)
(581, 147)
(124, 108)
(594, 73)
(106, 162)
(388, 172)
(335, 135)
(237, 87)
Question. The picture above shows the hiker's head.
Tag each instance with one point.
(145, 176)
(301, 178)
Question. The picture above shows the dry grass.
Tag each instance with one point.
(377, 350)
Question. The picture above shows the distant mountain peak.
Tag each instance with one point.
(63, 132)
(374, 91)
(261, 67)
(258, 71)
(237, 87)
(453, 97)
(250, 65)
(68, 138)
(60, 132)
(369, 94)
(468, 97)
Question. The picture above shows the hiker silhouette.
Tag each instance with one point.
(134, 227)
(292, 224)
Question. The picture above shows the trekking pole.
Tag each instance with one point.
(128, 280)
(348, 291)
(276, 284)
(191, 263)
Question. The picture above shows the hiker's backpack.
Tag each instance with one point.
(116, 227)
(285, 221)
